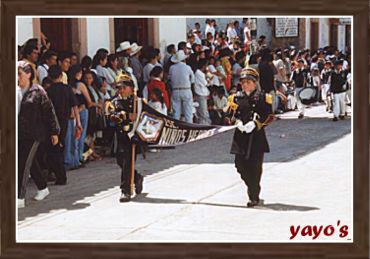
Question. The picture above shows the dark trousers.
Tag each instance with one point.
(28, 165)
(250, 171)
(55, 158)
(55, 155)
(124, 160)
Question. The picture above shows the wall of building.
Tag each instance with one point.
(98, 34)
(264, 27)
(25, 30)
(341, 37)
(298, 42)
(324, 32)
(170, 31)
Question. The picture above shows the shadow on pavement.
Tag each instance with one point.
(301, 137)
(143, 198)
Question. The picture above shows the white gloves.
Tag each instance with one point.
(240, 126)
(247, 128)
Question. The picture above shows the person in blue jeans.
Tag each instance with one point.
(181, 78)
(72, 151)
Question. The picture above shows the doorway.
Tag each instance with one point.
(132, 30)
(59, 33)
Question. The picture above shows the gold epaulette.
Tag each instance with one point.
(231, 105)
(109, 107)
(268, 98)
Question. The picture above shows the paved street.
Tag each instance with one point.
(193, 193)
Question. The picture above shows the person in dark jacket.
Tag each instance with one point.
(299, 76)
(338, 86)
(65, 103)
(37, 122)
(251, 111)
(120, 111)
(267, 71)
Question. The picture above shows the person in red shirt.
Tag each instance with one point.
(156, 76)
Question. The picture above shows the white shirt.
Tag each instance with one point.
(103, 72)
(210, 29)
(158, 106)
(146, 71)
(42, 72)
(220, 103)
(200, 84)
(215, 80)
(231, 34)
(181, 76)
(247, 34)
(197, 39)
(279, 64)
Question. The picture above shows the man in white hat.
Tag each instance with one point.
(123, 53)
(181, 77)
(135, 62)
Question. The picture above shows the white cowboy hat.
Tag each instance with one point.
(123, 46)
(179, 56)
(135, 48)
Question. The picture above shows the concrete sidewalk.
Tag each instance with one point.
(207, 202)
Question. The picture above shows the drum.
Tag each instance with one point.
(307, 95)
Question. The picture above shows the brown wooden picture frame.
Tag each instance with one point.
(358, 249)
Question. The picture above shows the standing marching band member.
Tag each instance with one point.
(299, 76)
(251, 111)
(338, 86)
(325, 74)
(121, 111)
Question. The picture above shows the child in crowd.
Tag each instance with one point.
(157, 101)
(220, 103)
(316, 83)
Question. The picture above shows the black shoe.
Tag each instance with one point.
(125, 197)
(251, 204)
(139, 184)
(300, 116)
(341, 117)
(335, 119)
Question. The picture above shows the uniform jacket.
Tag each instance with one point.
(338, 81)
(259, 103)
(37, 119)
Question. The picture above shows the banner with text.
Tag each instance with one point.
(160, 130)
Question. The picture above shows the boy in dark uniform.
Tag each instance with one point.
(120, 110)
(339, 86)
(251, 111)
(325, 75)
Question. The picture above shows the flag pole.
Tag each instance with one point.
(133, 149)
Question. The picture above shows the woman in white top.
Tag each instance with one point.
(113, 70)
(101, 69)
(210, 28)
(202, 92)
(231, 33)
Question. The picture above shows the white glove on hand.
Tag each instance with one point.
(249, 127)
(240, 126)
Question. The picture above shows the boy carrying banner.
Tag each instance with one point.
(122, 110)
(250, 110)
